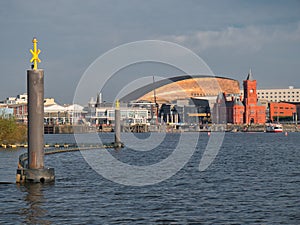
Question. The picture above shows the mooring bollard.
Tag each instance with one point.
(35, 90)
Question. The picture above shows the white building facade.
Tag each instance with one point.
(290, 94)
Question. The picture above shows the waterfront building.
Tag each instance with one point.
(289, 94)
(184, 87)
(189, 111)
(255, 112)
(186, 99)
(20, 99)
(49, 101)
(20, 112)
(67, 114)
(235, 111)
(10, 101)
(101, 114)
(248, 110)
(282, 111)
(54, 113)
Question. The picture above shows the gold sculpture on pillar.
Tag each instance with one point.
(35, 54)
(117, 104)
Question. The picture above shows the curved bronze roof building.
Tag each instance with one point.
(184, 87)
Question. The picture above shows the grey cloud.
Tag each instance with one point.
(74, 33)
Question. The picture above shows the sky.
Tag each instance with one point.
(230, 36)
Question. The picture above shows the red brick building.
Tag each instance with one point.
(237, 111)
(254, 111)
(282, 111)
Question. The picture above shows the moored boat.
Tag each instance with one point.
(274, 128)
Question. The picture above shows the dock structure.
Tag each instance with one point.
(35, 170)
(50, 149)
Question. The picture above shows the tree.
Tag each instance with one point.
(11, 132)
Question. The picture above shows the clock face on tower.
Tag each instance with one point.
(251, 90)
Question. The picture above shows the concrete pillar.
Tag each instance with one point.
(35, 88)
(35, 172)
(117, 127)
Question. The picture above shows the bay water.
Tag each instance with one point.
(254, 179)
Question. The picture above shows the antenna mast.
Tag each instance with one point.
(156, 105)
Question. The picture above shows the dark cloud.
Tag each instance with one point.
(230, 35)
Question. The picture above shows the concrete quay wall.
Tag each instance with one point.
(69, 129)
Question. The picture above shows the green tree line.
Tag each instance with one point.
(12, 132)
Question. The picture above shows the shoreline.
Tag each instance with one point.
(69, 129)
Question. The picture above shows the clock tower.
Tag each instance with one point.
(254, 111)
(250, 110)
(250, 96)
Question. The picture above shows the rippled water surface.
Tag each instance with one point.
(254, 179)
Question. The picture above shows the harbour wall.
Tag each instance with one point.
(67, 129)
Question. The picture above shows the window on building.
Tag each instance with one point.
(271, 92)
(275, 93)
(279, 92)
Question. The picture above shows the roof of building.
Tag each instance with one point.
(238, 102)
(250, 77)
(184, 87)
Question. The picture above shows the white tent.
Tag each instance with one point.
(54, 108)
(74, 108)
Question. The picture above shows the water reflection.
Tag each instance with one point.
(34, 212)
